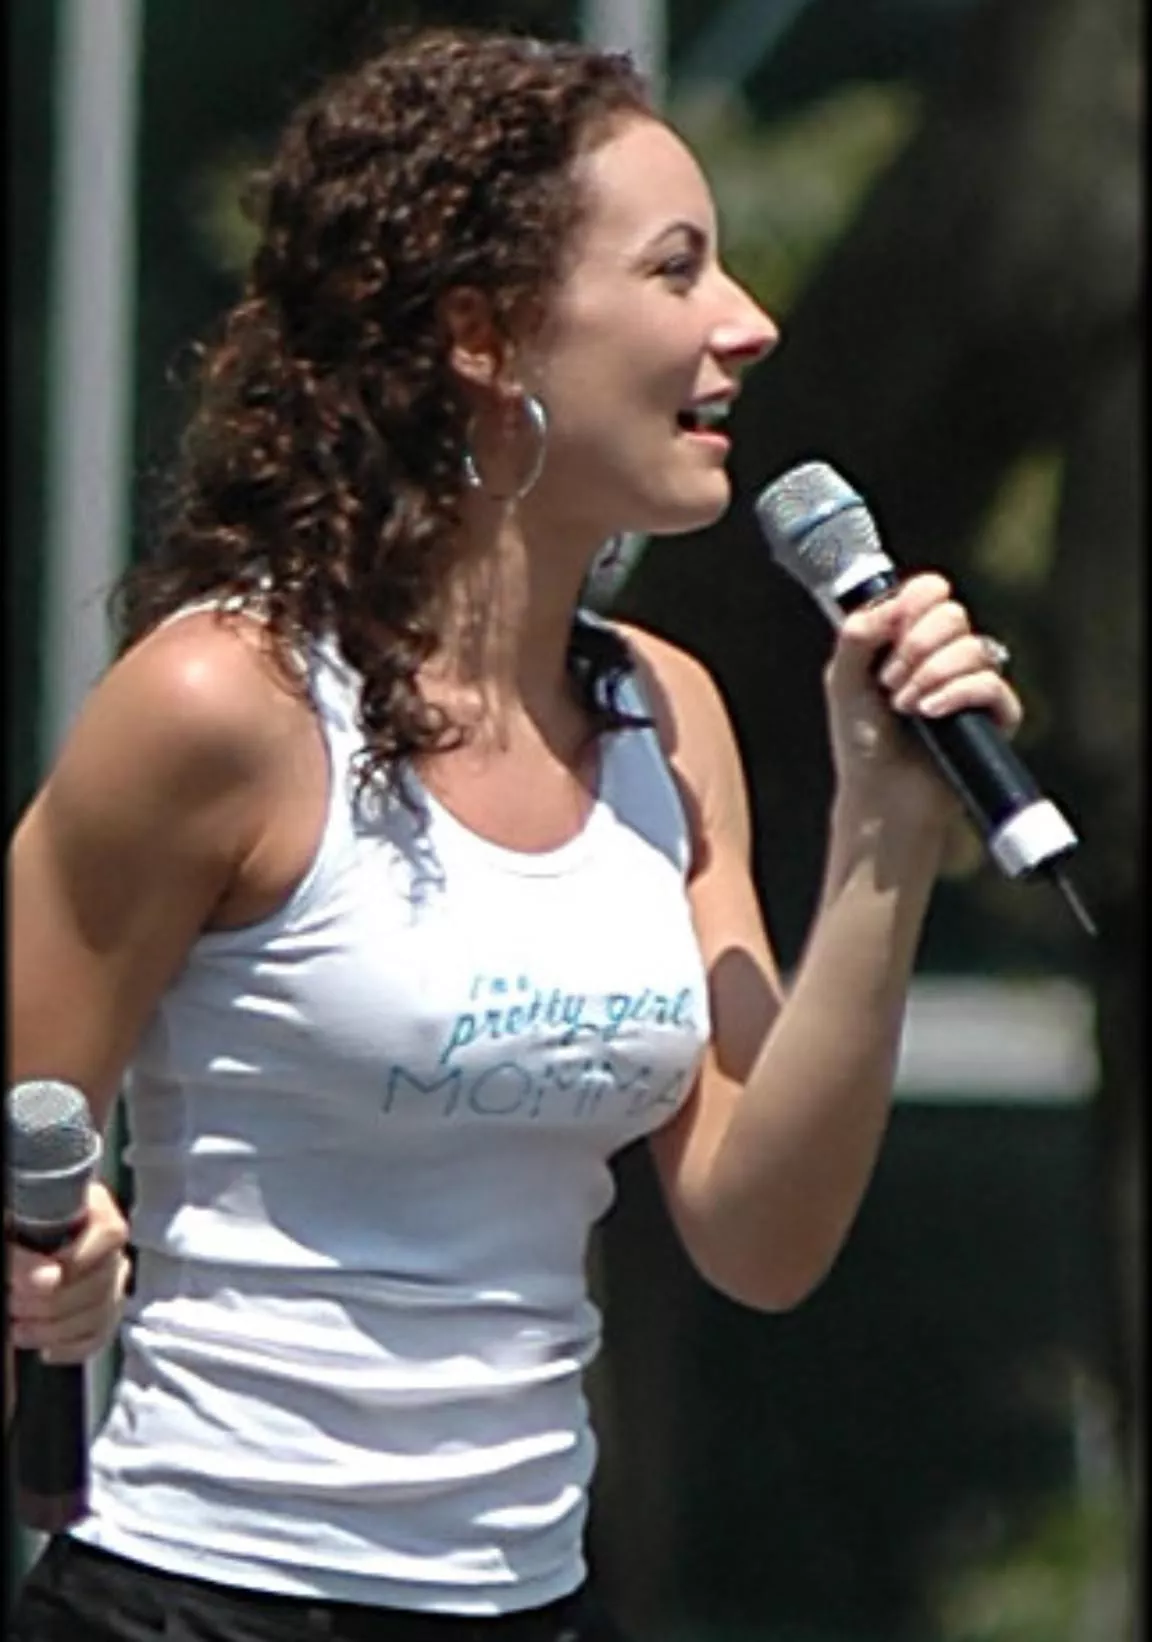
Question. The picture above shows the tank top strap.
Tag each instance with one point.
(334, 688)
(640, 776)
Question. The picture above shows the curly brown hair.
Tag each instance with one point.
(321, 471)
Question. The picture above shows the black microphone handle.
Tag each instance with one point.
(978, 764)
(51, 1422)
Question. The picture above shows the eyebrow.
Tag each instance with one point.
(696, 235)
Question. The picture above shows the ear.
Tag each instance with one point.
(477, 352)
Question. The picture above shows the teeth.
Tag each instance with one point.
(711, 413)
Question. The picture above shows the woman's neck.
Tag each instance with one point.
(506, 621)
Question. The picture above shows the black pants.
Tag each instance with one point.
(75, 1593)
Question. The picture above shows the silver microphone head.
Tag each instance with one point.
(53, 1149)
(819, 530)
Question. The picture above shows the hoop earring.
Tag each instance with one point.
(538, 422)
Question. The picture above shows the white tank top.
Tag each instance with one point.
(370, 1135)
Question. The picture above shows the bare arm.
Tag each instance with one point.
(148, 819)
(764, 1169)
(135, 837)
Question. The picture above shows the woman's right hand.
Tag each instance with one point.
(67, 1305)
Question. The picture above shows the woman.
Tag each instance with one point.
(408, 893)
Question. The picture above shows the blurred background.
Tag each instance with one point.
(941, 202)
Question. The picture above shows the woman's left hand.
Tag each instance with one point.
(914, 652)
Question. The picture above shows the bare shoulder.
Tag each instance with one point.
(209, 681)
(695, 730)
(178, 737)
(197, 700)
(681, 693)
(684, 699)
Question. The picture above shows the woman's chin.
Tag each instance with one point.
(707, 504)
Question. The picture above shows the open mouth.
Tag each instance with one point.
(704, 418)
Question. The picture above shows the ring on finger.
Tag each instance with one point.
(996, 653)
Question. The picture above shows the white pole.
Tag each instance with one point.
(636, 26)
(641, 28)
(91, 315)
(732, 44)
(90, 378)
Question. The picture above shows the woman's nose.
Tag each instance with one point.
(748, 334)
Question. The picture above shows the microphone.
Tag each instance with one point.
(53, 1150)
(821, 533)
